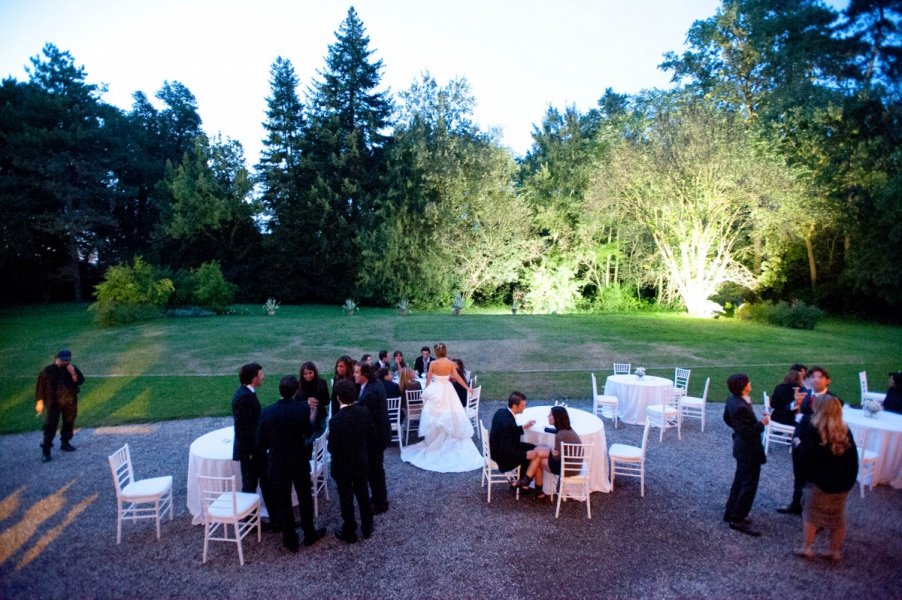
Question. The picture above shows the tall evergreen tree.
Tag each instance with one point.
(342, 164)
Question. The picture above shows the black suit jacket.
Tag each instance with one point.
(504, 440)
(419, 366)
(781, 402)
(350, 435)
(246, 411)
(392, 389)
(747, 430)
(373, 399)
(55, 381)
(284, 427)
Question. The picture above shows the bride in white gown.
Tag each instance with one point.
(448, 445)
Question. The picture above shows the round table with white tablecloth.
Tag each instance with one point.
(211, 455)
(587, 426)
(635, 394)
(884, 436)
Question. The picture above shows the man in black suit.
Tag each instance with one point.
(284, 427)
(421, 364)
(372, 396)
(504, 437)
(392, 389)
(383, 360)
(246, 412)
(747, 450)
(350, 434)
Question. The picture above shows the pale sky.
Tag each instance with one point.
(520, 56)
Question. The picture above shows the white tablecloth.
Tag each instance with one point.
(211, 455)
(884, 435)
(587, 426)
(636, 394)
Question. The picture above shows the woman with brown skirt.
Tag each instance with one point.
(829, 465)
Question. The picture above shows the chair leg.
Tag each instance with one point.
(588, 501)
(156, 506)
(642, 480)
(119, 525)
(238, 540)
(206, 541)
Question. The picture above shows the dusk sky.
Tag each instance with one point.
(519, 56)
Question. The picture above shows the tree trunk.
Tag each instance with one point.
(812, 268)
(756, 248)
(607, 266)
(617, 259)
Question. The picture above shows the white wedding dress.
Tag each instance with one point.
(448, 447)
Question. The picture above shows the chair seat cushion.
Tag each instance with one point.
(624, 452)
(602, 399)
(222, 506)
(656, 409)
(147, 488)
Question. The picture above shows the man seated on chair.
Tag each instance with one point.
(421, 364)
(392, 389)
(504, 439)
(284, 428)
(350, 432)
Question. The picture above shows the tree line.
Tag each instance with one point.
(770, 169)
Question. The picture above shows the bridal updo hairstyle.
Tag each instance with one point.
(441, 351)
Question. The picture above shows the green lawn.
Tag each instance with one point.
(175, 368)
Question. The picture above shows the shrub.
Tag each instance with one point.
(797, 315)
(211, 290)
(130, 293)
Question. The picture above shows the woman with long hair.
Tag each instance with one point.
(829, 465)
(313, 389)
(344, 369)
(448, 445)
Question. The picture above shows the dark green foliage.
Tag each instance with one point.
(131, 293)
(795, 315)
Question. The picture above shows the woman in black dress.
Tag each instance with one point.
(313, 387)
(344, 369)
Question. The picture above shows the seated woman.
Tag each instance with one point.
(407, 380)
(786, 399)
(559, 418)
(893, 400)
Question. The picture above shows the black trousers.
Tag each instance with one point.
(376, 478)
(348, 489)
(742, 493)
(284, 513)
(68, 410)
(798, 482)
(253, 474)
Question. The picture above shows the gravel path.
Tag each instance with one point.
(440, 539)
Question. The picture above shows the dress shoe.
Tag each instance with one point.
(67, 447)
(45, 456)
(291, 543)
(313, 536)
(367, 532)
(348, 538)
(790, 509)
(380, 508)
(746, 529)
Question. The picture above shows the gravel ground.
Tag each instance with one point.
(440, 538)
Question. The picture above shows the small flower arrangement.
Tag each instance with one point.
(349, 307)
(872, 407)
(640, 372)
(560, 403)
(271, 307)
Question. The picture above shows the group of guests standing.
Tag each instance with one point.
(274, 445)
(824, 455)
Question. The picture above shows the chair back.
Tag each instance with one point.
(863, 382)
(394, 416)
(575, 460)
(622, 368)
(707, 385)
(218, 497)
(121, 466)
(414, 404)
(645, 438)
(473, 381)
(594, 387)
(766, 401)
(681, 379)
(484, 434)
(473, 401)
(320, 456)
